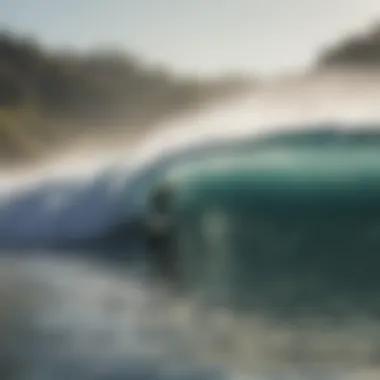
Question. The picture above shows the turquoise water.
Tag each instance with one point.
(69, 318)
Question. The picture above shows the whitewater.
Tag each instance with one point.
(79, 319)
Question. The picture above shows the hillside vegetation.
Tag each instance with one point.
(51, 98)
(360, 50)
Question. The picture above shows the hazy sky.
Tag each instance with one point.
(202, 36)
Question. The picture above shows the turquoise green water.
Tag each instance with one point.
(284, 231)
(277, 170)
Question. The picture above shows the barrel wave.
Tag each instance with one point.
(93, 322)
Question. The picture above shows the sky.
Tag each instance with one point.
(204, 37)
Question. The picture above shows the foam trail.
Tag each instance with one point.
(73, 318)
(68, 318)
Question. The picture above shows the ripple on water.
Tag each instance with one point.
(62, 318)
(69, 319)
